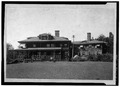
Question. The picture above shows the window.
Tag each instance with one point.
(44, 37)
(60, 45)
(34, 45)
(48, 45)
(52, 45)
(65, 45)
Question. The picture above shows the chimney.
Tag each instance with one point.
(88, 36)
(57, 33)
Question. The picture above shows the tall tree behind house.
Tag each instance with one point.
(109, 41)
(9, 46)
(8, 52)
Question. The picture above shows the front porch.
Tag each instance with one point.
(40, 54)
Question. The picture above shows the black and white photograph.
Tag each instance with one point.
(68, 42)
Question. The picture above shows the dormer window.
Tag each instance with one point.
(45, 36)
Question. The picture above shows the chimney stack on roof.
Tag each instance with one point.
(89, 36)
(57, 33)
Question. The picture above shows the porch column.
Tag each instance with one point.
(54, 54)
(101, 48)
(39, 55)
(13, 54)
(60, 55)
(27, 54)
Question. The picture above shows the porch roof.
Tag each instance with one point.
(48, 48)
(89, 42)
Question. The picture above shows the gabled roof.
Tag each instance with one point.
(89, 42)
(37, 39)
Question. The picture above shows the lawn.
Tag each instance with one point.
(61, 70)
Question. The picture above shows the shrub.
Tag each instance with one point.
(108, 57)
(14, 57)
(92, 57)
(101, 57)
(83, 58)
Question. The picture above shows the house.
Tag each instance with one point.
(44, 47)
(90, 46)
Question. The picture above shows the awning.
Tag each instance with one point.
(50, 48)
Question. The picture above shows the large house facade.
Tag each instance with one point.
(45, 47)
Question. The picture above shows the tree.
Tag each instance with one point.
(109, 41)
(9, 46)
(101, 37)
(9, 52)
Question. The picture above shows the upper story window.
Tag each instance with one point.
(44, 37)
(65, 45)
(34, 45)
(60, 45)
(52, 45)
(48, 45)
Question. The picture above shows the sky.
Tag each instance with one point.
(29, 20)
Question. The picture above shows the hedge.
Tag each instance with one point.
(101, 57)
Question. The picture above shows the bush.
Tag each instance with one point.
(92, 58)
(108, 57)
(13, 57)
(83, 58)
(101, 57)
(9, 58)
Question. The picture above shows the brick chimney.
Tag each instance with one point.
(88, 36)
(57, 33)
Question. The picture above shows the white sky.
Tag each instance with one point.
(22, 21)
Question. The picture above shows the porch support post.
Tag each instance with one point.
(60, 55)
(13, 54)
(39, 55)
(27, 54)
(24, 55)
(54, 54)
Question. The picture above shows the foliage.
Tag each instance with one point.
(14, 57)
(109, 41)
(92, 58)
(101, 57)
(101, 37)
(9, 53)
(9, 46)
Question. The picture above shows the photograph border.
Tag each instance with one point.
(56, 2)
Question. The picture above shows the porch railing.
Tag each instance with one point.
(42, 58)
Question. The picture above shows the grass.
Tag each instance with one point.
(61, 70)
